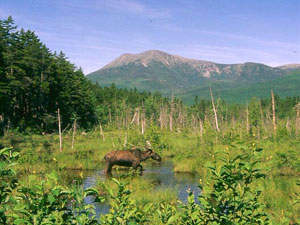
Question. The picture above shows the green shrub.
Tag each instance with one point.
(8, 182)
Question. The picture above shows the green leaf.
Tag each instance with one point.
(21, 221)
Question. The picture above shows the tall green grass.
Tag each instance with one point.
(188, 151)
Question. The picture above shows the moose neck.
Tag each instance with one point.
(144, 156)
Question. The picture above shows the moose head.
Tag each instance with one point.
(153, 155)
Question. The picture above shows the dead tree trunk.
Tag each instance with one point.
(214, 108)
(125, 140)
(74, 133)
(143, 122)
(101, 132)
(59, 130)
(171, 114)
(134, 118)
(297, 126)
(138, 118)
(273, 110)
(161, 119)
(247, 119)
(109, 115)
(262, 117)
(201, 128)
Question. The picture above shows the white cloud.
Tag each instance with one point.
(272, 43)
(129, 7)
(133, 7)
(228, 55)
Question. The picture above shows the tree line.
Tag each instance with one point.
(35, 83)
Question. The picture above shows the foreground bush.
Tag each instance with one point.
(228, 198)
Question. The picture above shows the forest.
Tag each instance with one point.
(54, 121)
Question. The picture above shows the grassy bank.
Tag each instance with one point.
(189, 151)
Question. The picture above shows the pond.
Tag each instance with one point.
(161, 173)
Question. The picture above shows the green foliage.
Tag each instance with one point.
(297, 200)
(234, 84)
(154, 135)
(135, 138)
(239, 93)
(191, 211)
(232, 199)
(167, 213)
(124, 210)
(45, 202)
(8, 182)
(35, 83)
(49, 203)
(254, 116)
(287, 162)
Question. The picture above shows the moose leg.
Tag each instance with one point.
(107, 169)
(137, 165)
(140, 166)
(141, 169)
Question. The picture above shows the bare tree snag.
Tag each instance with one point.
(134, 116)
(101, 132)
(297, 126)
(273, 110)
(214, 108)
(109, 114)
(125, 140)
(59, 130)
(138, 118)
(247, 119)
(201, 127)
(143, 122)
(74, 133)
(161, 119)
(262, 116)
(171, 113)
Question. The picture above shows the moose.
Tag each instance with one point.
(129, 158)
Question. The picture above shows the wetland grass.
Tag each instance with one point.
(280, 161)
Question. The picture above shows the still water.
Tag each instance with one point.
(161, 174)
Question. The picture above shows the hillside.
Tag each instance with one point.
(159, 71)
(285, 86)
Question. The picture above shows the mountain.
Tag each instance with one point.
(290, 67)
(159, 71)
(243, 92)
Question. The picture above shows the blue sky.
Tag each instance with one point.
(92, 33)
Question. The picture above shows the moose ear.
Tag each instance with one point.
(149, 150)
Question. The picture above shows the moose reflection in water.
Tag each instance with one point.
(129, 158)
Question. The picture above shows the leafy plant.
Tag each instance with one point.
(8, 182)
(49, 203)
(231, 198)
(124, 210)
(167, 214)
(297, 200)
(154, 135)
(191, 211)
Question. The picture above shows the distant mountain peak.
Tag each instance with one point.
(155, 70)
(146, 57)
(290, 66)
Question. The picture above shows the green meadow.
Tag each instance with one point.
(189, 152)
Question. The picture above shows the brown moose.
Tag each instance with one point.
(129, 158)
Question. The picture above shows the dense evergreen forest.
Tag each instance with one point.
(35, 83)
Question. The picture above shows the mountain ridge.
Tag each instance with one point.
(156, 70)
(126, 58)
(150, 55)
